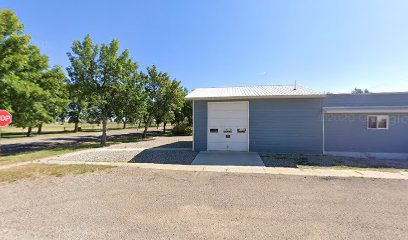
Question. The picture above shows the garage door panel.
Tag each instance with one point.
(227, 106)
(241, 146)
(217, 146)
(227, 119)
(228, 116)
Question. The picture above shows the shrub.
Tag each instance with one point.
(182, 129)
(189, 130)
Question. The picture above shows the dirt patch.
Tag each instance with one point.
(33, 171)
(131, 203)
(305, 160)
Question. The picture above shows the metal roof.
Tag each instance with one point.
(367, 109)
(271, 91)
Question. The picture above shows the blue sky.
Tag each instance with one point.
(331, 45)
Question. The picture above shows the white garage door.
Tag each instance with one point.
(227, 126)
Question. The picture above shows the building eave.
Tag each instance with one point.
(367, 109)
(256, 97)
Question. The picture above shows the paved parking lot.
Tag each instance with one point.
(131, 203)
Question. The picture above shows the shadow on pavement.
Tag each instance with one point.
(176, 156)
(165, 157)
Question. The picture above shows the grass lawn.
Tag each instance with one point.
(58, 128)
(34, 171)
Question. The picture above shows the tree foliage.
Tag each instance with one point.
(132, 106)
(171, 101)
(163, 97)
(360, 91)
(105, 79)
(103, 85)
(186, 112)
(31, 91)
(83, 70)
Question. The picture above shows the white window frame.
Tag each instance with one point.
(387, 117)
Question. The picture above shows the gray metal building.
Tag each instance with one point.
(289, 119)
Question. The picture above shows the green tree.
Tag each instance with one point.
(155, 87)
(170, 102)
(54, 82)
(186, 112)
(131, 106)
(26, 83)
(360, 91)
(82, 72)
(77, 105)
(101, 73)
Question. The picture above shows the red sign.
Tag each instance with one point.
(5, 118)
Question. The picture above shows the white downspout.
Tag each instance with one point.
(324, 152)
(193, 127)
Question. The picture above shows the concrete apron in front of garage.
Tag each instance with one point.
(228, 158)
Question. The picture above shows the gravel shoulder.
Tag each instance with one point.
(308, 160)
(131, 203)
(147, 151)
(158, 142)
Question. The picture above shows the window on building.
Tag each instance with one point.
(377, 122)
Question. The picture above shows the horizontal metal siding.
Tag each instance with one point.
(200, 125)
(352, 100)
(286, 125)
(294, 125)
(275, 125)
(349, 133)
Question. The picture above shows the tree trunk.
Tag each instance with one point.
(39, 129)
(29, 131)
(76, 126)
(124, 124)
(147, 123)
(164, 127)
(103, 139)
(139, 124)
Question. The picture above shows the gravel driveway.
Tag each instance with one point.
(131, 203)
(160, 149)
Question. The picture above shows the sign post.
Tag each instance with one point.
(5, 120)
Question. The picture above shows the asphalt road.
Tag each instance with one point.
(131, 203)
